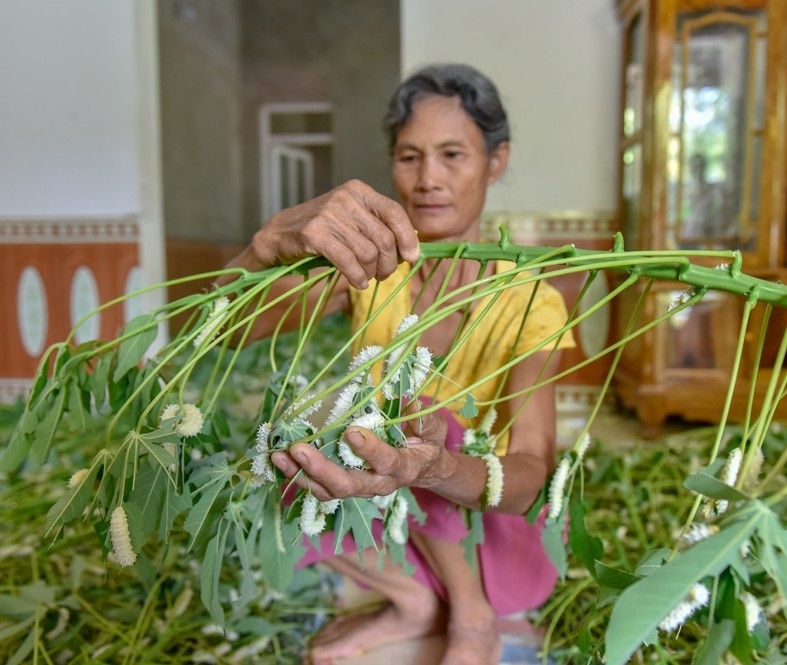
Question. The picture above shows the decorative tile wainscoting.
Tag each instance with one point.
(576, 393)
(53, 272)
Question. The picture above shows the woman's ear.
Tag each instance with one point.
(498, 161)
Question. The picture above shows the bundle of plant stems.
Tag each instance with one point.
(177, 485)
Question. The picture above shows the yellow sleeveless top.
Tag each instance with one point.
(494, 342)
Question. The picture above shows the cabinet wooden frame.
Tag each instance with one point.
(648, 379)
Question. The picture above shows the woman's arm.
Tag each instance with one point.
(426, 462)
(531, 450)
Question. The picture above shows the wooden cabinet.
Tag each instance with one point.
(702, 166)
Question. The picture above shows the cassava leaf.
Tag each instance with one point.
(644, 604)
(78, 408)
(718, 641)
(552, 538)
(774, 538)
(47, 430)
(614, 578)
(587, 548)
(355, 516)
(72, 504)
(174, 504)
(474, 537)
(149, 491)
(136, 528)
(244, 549)
(652, 561)
(280, 545)
(469, 410)
(15, 628)
(140, 333)
(200, 518)
(210, 572)
(22, 654)
(707, 485)
(99, 380)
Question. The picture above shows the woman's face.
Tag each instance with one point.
(441, 169)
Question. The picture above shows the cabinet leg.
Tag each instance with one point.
(651, 420)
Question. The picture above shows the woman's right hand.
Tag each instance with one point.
(360, 231)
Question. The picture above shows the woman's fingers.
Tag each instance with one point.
(360, 231)
(428, 427)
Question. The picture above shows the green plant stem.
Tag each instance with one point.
(567, 602)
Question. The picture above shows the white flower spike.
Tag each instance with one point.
(557, 488)
(77, 478)
(215, 320)
(494, 479)
(121, 538)
(312, 518)
(696, 599)
(190, 419)
(729, 476)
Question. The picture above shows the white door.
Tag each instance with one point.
(292, 176)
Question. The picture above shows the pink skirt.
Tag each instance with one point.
(516, 571)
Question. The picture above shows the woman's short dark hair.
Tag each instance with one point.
(477, 94)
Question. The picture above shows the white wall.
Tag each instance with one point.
(68, 108)
(556, 64)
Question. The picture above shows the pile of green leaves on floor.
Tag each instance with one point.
(63, 601)
(634, 507)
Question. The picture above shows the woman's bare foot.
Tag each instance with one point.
(354, 633)
(473, 645)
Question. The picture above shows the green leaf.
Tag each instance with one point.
(243, 547)
(78, 409)
(220, 425)
(256, 626)
(140, 333)
(17, 608)
(614, 578)
(474, 537)
(707, 485)
(716, 643)
(99, 380)
(587, 548)
(534, 511)
(355, 517)
(210, 573)
(761, 635)
(136, 525)
(469, 410)
(643, 605)
(204, 513)
(174, 504)
(652, 561)
(552, 537)
(47, 429)
(149, 491)
(279, 546)
(72, 504)
(22, 654)
(774, 538)
(18, 447)
(15, 628)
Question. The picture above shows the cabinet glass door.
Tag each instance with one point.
(716, 123)
(631, 143)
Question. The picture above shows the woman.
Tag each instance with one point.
(449, 139)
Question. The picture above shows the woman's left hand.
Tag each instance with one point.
(387, 468)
